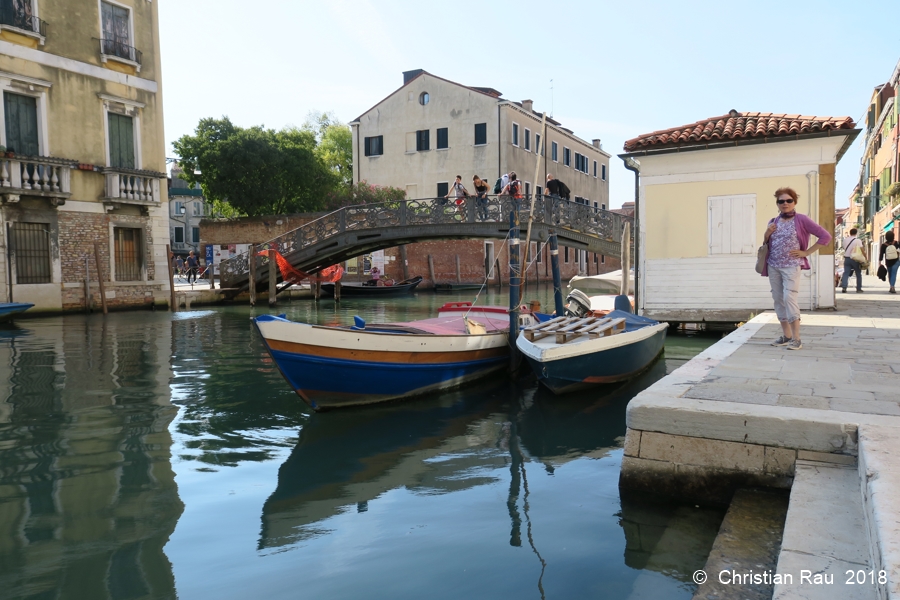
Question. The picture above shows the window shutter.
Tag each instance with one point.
(21, 124)
(716, 225)
(121, 141)
(748, 225)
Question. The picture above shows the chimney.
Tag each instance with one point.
(528, 105)
(597, 144)
(410, 75)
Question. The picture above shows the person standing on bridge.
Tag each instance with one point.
(788, 238)
(481, 190)
(513, 188)
(193, 266)
(557, 188)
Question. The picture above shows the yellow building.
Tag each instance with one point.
(706, 195)
(83, 153)
(879, 181)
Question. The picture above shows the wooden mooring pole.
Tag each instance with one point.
(173, 306)
(557, 281)
(458, 273)
(499, 274)
(87, 284)
(273, 278)
(252, 280)
(431, 270)
(514, 281)
(337, 291)
(100, 277)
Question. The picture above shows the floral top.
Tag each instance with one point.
(781, 243)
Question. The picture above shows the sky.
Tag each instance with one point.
(618, 69)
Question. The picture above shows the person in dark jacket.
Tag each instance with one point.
(890, 254)
(193, 266)
(556, 187)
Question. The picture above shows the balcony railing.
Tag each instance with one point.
(119, 49)
(35, 176)
(21, 19)
(127, 186)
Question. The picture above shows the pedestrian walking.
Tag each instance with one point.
(853, 251)
(787, 236)
(193, 266)
(179, 263)
(481, 199)
(890, 256)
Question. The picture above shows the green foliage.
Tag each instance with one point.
(255, 171)
(335, 144)
(362, 193)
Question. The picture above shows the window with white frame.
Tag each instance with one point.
(116, 32)
(178, 207)
(21, 119)
(179, 235)
(567, 157)
(515, 134)
(198, 209)
(527, 139)
(22, 15)
(732, 224)
(195, 235)
(489, 256)
(595, 168)
(537, 144)
(554, 151)
(603, 172)
(122, 132)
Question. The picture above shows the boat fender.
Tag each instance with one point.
(359, 322)
(622, 303)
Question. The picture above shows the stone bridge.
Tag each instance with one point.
(355, 230)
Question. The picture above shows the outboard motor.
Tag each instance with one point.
(578, 304)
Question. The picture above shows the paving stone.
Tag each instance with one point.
(730, 394)
(779, 460)
(872, 407)
(787, 388)
(804, 402)
(632, 442)
(850, 391)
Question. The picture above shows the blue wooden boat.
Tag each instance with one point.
(9, 309)
(332, 366)
(573, 352)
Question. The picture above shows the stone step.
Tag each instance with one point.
(825, 536)
(747, 546)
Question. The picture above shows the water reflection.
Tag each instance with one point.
(437, 446)
(87, 492)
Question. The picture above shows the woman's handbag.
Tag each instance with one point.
(761, 255)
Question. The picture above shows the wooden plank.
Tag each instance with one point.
(546, 323)
(550, 327)
(611, 328)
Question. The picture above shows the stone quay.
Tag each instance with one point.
(822, 422)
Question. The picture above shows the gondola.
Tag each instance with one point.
(407, 286)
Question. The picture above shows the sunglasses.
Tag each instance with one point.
(787, 201)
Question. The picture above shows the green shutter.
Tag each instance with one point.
(21, 124)
(121, 141)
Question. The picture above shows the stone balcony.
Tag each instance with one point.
(42, 177)
(131, 187)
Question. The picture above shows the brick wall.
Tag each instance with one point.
(77, 234)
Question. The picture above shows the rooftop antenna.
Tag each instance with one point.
(551, 97)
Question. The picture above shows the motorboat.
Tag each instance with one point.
(367, 289)
(9, 309)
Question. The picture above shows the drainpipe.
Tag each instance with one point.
(635, 167)
(499, 144)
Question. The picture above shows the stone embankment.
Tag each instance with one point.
(823, 422)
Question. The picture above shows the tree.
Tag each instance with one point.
(362, 193)
(335, 144)
(256, 171)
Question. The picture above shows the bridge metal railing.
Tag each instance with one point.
(549, 210)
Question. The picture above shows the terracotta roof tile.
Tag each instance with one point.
(735, 125)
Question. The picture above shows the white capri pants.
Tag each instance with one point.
(785, 284)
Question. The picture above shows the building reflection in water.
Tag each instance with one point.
(87, 492)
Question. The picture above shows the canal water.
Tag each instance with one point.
(152, 455)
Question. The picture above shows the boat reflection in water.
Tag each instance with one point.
(87, 492)
(482, 437)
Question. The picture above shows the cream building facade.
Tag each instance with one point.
(706, 196)
(84, 153)
(430, 130)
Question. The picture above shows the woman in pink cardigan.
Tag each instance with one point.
(788, 239)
